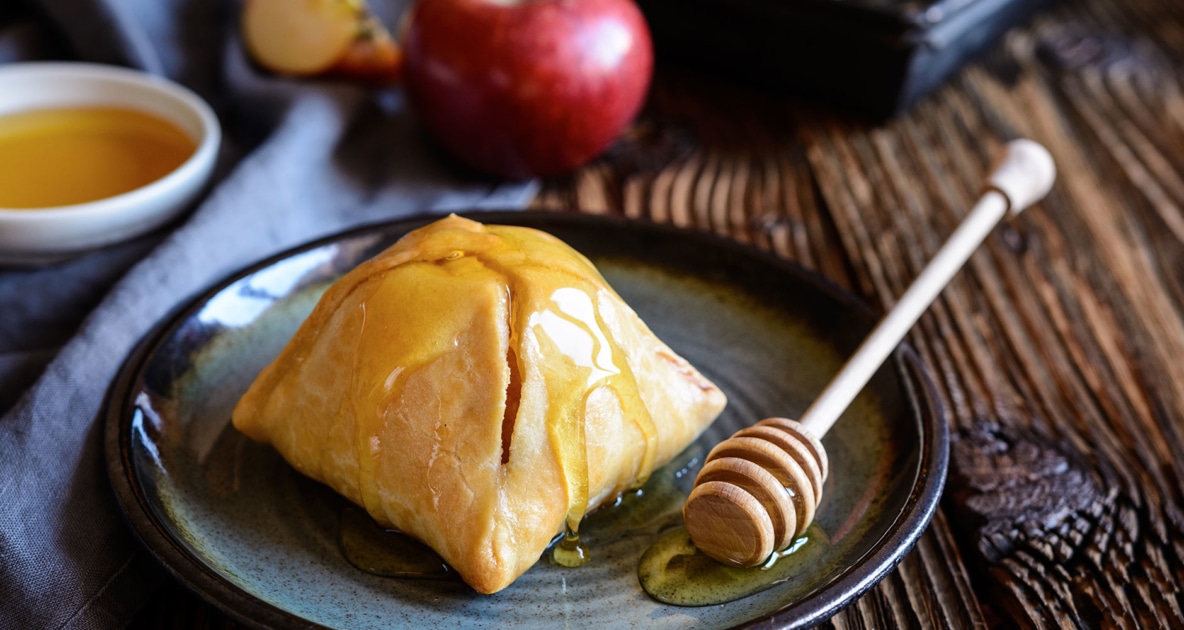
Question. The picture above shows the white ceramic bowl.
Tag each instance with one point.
(42, 235)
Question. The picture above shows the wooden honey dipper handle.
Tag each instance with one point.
(759, 489)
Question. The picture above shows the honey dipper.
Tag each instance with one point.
(758, 490)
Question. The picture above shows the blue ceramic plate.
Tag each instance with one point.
(233, 521)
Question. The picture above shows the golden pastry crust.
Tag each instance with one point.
(477, 387)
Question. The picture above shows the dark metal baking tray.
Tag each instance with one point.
(876, 57)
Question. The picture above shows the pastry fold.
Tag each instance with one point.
(479, 388)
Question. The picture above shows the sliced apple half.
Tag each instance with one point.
(301, 37)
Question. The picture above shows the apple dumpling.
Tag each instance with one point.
(479, 388)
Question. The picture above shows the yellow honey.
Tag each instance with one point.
(61, 157)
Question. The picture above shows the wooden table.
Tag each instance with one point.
(1059, 350)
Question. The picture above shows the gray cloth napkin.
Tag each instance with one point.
(302, 160)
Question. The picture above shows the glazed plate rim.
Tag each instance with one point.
(915, 514)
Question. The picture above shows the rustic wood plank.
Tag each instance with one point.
(1122, 358)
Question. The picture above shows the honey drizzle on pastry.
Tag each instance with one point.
(367, 490)
(564, 318)
(571, 326)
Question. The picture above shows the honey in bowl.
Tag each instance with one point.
(61, 157)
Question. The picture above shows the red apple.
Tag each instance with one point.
(522, 88)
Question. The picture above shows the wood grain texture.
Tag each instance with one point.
(1059, 350)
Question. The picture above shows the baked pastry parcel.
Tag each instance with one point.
(479, 388)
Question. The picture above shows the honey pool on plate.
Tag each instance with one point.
(60, 157)
(671, 570)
